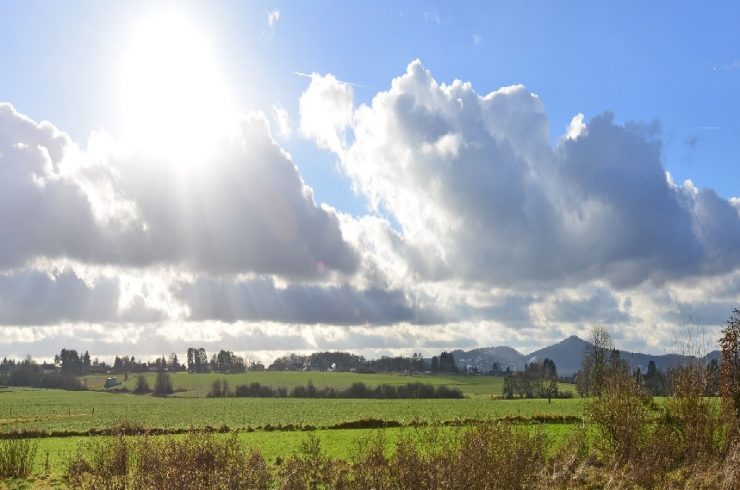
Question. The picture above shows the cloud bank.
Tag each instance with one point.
(474, 181)
(245, 210)
(481, 231)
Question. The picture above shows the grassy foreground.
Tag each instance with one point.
(276, 427)
(98, 439)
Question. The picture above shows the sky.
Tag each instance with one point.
(379, 177)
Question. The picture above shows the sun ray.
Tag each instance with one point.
(174, 96)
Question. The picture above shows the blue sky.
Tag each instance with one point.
(668, 73)
(644, 61)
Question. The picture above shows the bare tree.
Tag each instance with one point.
(730, 378)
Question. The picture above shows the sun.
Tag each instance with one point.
(174, 98)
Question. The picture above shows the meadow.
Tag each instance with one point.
(56, 410)
(63, 420)
(76, 436)
(198, 385)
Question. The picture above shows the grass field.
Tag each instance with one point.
(273, 445)
(198, 385)
(77, 412)
(55, 410)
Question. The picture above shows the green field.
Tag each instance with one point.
(55, 410)
(273, 445)
(198, 385)
(254, 419)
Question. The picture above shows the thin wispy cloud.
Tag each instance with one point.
(733, 66)
(351, 84)
(273, 16)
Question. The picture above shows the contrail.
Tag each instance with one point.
(352, 84)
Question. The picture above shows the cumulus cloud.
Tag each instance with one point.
(33, 297)
(282, 121)
(481, 232)
(261, 300)
(245, 210)
(326, 111)
(600, 306)
(42, 212)
(475, 179)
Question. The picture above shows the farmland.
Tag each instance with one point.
(56, 410)
(74, 429)
(276, 427)
(197, 385)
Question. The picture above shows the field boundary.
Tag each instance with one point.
(369, 423)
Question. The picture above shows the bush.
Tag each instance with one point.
(489, 455)
(691, 415)
(16, 458)
(196, 461)
(142, 386)
(357, 390)
(621, 414)
(308, 468)
(163, 384)
(101, 463)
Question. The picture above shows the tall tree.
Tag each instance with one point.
(596, 362)
(162, 383)
(550, 378)
(201, 360)
(712, 373)
(70, 362)
(191, 360)
(730, 378)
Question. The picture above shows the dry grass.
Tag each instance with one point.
(197, 461)
(16, 458)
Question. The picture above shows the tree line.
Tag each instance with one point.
(345, 362)
(220, 388)
(537, 380)
(29, 373)
(603, 360)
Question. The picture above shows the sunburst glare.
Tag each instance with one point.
(174, 96)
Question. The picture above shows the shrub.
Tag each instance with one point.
(162, 384)
(142, 386)
(309, 468)
(101, 463)
(730, 376)
(16, 458)
(357, 390)
(692, 415)
(215, 391)
(196, 461)
(490, 455)
(621, 414)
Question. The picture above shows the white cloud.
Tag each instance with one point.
(33, 297)
(282, 121)
(494, 234)
(273, 16)
(326, 112)
(576, 127)
(475, 180)
(247, 211)
(261, 299)
(432, 17)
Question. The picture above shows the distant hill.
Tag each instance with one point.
(483, 358)
(567, 355)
